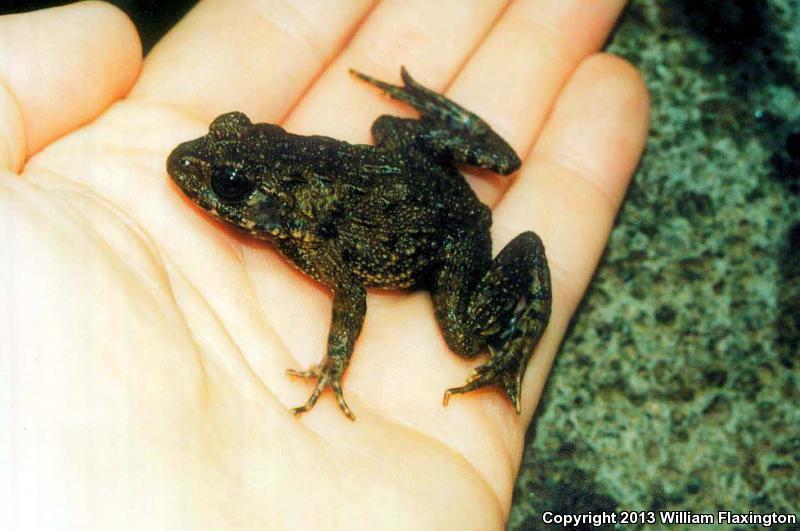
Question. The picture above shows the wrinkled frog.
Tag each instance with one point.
(397, 214)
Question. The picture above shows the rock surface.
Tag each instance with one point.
(678, 384)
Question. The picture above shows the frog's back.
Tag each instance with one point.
(392, 231)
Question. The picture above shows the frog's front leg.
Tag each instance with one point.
(446, 128)
(507, 309)
(349, 308)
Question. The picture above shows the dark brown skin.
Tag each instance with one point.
(394, 215)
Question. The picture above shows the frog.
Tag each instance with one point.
(398, 214)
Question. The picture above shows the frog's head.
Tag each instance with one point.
(223, 174)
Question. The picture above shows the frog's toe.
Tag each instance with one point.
(299, 410)
(469, 386)
(337, 390)
(326, 377)
(311, 372)
(495, 371)
(481, 371)
(512, 385)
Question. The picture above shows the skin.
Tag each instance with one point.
(143, 345)
(394, 215)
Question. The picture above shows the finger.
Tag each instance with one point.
(572, 184)
(577, 174)
(257, 57)
(432, 39)
(513, 78)
(62, 67)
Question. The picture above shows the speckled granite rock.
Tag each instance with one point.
(679, 383)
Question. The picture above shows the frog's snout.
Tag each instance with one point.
(178, 162)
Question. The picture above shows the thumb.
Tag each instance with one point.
(60, 68)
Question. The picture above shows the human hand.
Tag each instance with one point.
(144, 351)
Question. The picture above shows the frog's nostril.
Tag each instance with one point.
(177, 162)
(173, 162)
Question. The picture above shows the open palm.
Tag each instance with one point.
(144, 345)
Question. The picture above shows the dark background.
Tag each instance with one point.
(152, 18)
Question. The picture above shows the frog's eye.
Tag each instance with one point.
(230, 184)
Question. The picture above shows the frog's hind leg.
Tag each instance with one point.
(449, 129)
(509, 307)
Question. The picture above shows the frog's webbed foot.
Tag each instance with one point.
(326, 375)
(501, 369)
(449, 129)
